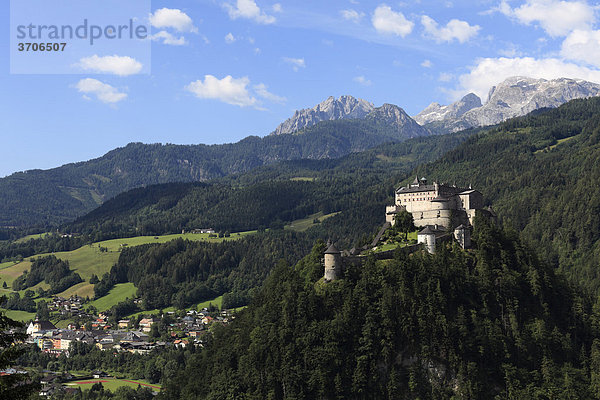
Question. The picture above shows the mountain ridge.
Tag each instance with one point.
(514, 97)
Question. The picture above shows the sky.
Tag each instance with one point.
(219, 71)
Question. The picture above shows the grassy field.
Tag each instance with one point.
(391, 246)
(89, 259)
(558, 142)
(29, 237)
(19, 315)
(112, 384)
(7, 264)
(300, 225)
(117, 294)
(218, 302)
(303, 179)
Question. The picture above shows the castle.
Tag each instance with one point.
(437, 204)
(444, 212)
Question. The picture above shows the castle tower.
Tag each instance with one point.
(462, 234)
(427, 237)
(333, 264)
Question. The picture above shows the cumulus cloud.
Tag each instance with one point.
(454, 30)
(296, 63)
(172, 18)
(426, 64)
(117, 65)
(387, 21)
(488, 72)
(103, 91)
(234, 91)
(277, 8)
(261, 90)
(556, 17)
(361, 80)
(583, 46)
(228, 90)
(248, 9)
(168, 38)
(352, 15)
(229, 38)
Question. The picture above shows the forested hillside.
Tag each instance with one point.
(267, 196)
(541, 174)
(51, 197)
(489, 322)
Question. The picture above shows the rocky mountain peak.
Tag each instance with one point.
(514, 97)
(436, 112)
(346, 107)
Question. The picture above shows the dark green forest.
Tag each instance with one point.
(48, 198)
(493, 322)
(358, 185)
(541, 174)
(181, 273)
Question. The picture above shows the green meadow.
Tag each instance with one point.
(113, 384)
(300, 225)
(97, 258)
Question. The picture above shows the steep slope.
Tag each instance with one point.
(346, 107)
(397, 120)
(489, 323)
(51, 197)
(436, 112)
(540, 172)
(516, 96)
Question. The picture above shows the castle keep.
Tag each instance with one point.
(436, 204)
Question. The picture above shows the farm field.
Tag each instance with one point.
(119, 293)
(98, 258)
(112, 384)
(300, 225)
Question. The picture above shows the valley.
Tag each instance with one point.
(473, 317)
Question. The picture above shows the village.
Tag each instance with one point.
(140, 334)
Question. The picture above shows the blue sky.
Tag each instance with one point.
(223, 70)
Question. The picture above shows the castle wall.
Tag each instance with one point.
(434, 217)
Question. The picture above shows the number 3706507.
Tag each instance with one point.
(41, 46)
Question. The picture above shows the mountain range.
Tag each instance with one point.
(332, 129)
(514, 97)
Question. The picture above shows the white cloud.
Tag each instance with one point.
(352, 15)
(454, 30)
(488, 72)
(229, 38)
(556, 17)
(361, 80)
(250, 10)
(277, 8)
(168, 38)
(261, 90)
(172, 18)
(228, 90)
(296, 63)
(426, 64)
(385, 20)
(117, 65)
(103, 91)
(582, 46)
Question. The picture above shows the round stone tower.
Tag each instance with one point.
(333, 263)
(427, 237)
